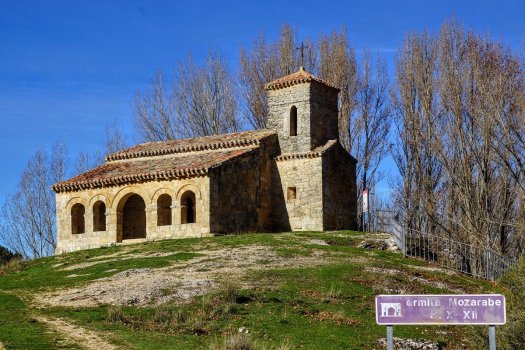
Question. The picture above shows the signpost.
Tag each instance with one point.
(365, 210)
(462, 309)
(365, 201)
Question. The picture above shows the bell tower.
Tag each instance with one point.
(303, 110)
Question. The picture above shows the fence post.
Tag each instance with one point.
(404, 240)
(487, 261)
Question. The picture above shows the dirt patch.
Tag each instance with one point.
(383, 271)
(411, 344)
(317, 242)
(179, 282)
(436, 284)
(419, 279)
(336, 317)
(2, 346)
(380, 243)
(433, 269)
(86, 338)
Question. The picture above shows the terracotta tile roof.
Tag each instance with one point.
(151, 149)
(166, 160)
(312, 154)
(298, 77)
(150, 169)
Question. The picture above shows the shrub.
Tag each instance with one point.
(6, 255)
(116, 315)
(512, 335)
(237, 341)
(11, 266)
(9, 262)
(229, 292)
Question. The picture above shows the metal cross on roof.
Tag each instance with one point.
(302, 47)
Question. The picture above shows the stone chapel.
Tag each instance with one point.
(292, 176)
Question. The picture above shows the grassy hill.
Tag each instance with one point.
(281, 291)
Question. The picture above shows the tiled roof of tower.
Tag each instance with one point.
(298, 77)
(166, 160)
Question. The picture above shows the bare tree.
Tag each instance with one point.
(417, 138)
(84, 161)
(28, 215)
(267, 61)
(372, 123)
(369, 133)
(258, 67)
(155, 116)
(459, 103)
(199, 100)
(204, 98)
(338, 66)
(114, 139)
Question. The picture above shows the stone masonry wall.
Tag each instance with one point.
(324, 120)
(339, 190)
(316, 116)
(115, 197)
(280, 103)
(305, 211)
(240, 192)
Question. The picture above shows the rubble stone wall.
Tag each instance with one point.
(339, 190)
(305, 211)
(241, 192)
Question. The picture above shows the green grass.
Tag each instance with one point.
(323, 307)
(19, 330)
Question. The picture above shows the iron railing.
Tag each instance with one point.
(451, 254)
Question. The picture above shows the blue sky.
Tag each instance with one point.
(67, 68)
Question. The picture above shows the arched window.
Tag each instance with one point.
(187, 204)
(99, 216)
(77, 219)
(164, 210)
(293, 121)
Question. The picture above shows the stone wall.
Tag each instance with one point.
(280, 103)
(240, 191)
(317, 121)
(324, 120)
(302, 179)
(115, 198)
(339, 189)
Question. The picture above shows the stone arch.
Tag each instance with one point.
(78, 224)
(162, 191)
(164, 204)
(99, 216)
(99, 197)
(124, 192)
(72, 201)
(293, 121)
(188, 214)
(190, 187)
(131, 217)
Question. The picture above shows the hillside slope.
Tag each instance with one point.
(282, 291)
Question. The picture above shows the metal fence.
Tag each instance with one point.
(451, 254)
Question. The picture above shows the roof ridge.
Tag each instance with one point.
(301, 76)
(133, 171)
(315, 153)
(245, 139)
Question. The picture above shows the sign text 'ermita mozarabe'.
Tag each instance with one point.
(477, 309)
